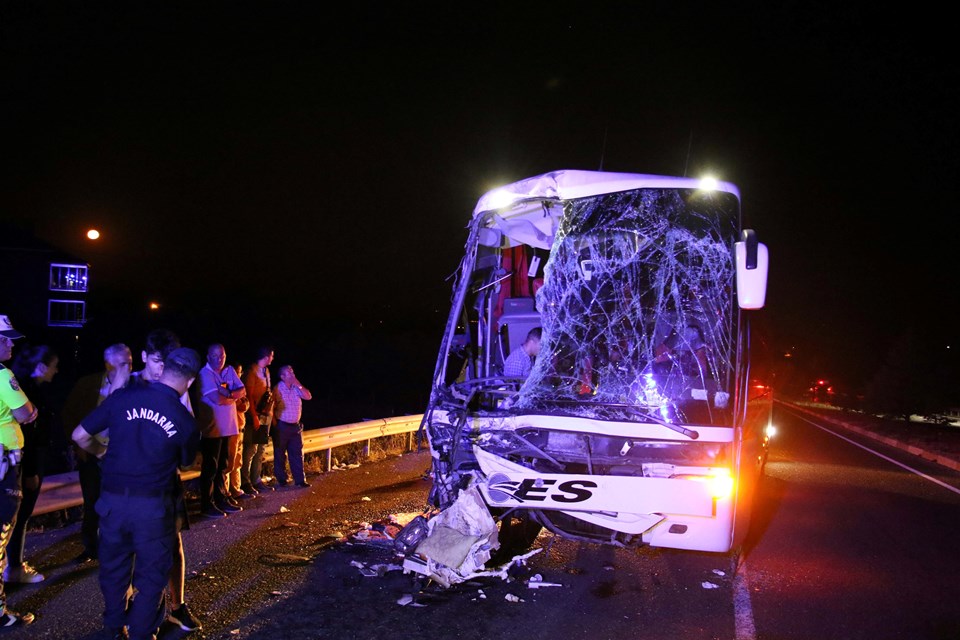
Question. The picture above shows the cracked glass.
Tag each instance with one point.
(634, 294)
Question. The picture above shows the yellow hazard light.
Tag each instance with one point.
(719, 482)
(721, 485)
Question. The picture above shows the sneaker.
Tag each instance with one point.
(118, 634)
(24, 574)
(229, 500)
(283, 483)
(14, 619)
(303, 484)
(212, 512)
(182, 617)
(241, 495)
(263, 488)
(249, 489)
(226, 507)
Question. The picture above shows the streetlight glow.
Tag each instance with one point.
(93, 234)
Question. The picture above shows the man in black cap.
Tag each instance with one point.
(15, 409)
(151, 435)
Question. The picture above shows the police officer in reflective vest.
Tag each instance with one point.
(15, 409)
(151, 435)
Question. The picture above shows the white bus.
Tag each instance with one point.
(639, 422)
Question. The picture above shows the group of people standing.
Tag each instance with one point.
(241, 412)
(133, 432)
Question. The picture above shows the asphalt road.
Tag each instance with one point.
(845, 544)
(856, 540)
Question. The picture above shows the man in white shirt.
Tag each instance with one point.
(220, 388)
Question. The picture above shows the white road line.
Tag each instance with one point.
(742, 608)
(880, 455)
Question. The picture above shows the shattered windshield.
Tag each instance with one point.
(636, 309)
(632, 293)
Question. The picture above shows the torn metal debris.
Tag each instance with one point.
(455, 545)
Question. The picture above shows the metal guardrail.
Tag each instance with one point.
(62, 491)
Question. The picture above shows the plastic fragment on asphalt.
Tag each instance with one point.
(385, 568)
(369, 572)
(709, 585)
(719, 572)
(512, 598)
(365, 499)
(536, 582)
(235, 632)
(283, 509)
(407, 599)
(289, 524)
(276, 593)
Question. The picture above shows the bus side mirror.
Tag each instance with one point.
(752, 262)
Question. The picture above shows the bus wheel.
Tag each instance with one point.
(518, 532)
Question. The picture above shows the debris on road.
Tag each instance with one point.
(284, 559)
(408, 599)
(457, 542)
(536, 582)
(375, 570)
(283, 509)
(512, 598)
(709, 585)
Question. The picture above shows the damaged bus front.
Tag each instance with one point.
(638, 423)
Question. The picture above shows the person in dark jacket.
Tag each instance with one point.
(85, 396)
(151, 435)
(35, 368)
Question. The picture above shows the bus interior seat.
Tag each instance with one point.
(519, 317)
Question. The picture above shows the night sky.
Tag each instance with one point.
(288, 165)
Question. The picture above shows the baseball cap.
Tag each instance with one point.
(183, 359)
(7, 330)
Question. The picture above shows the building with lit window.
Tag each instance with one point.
(42, 288)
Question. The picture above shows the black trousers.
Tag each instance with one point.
(89, 468)
(213, 491)
(9, 505)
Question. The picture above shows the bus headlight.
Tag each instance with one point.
(719, 482)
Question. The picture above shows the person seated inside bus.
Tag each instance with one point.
(686, 349)
(520, 361)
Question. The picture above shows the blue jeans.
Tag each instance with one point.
(251, 463)
(288, 443)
